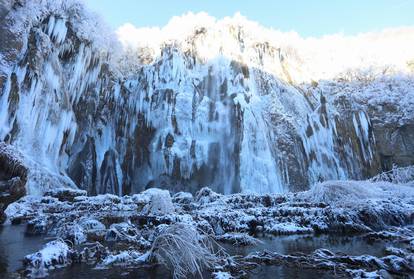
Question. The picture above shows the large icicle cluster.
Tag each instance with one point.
(222, 103)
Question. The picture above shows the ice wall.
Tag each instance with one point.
(213, 107)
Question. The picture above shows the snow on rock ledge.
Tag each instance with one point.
(160, 202)
(53, 255)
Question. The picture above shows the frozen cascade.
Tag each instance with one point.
(216, 106)
(319, 143)
(208, 132)
(362, 128)
(259, 172)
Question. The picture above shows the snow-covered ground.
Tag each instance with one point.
(152, 225)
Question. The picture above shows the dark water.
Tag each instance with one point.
(84, 271)
(14, 245)
(350, 245)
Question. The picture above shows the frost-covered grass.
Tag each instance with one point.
(184, 249)
(348, 192)
(398, 175)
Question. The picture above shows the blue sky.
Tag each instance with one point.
(307, 17)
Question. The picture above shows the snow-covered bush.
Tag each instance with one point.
(160, 202)
(332, 192)
(183, 198)
(206, 195)
(398, 175)
(183, 249)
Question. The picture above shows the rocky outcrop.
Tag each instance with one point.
(13, 177)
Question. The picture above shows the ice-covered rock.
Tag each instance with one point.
(287, 228)
(183, 198)
(160, 202)
(206, 195)
(13, 177)
(53, 255)
(125, 258)
(237, 239)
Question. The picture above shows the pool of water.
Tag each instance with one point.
(14, 245)
(350, 245)
(83, 271)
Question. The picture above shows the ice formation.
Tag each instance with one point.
(224, 103)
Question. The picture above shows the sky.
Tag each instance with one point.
(309, 18)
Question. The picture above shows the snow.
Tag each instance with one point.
(287, 228)
(316, 58)
(222, 275)
(184, 239)
(226, 97)
(159, 202)
(53, 254)
(349, 192)
(124, 258)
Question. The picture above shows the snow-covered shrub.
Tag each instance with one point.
(398, 175)
(183, 198)
(183, 249)
(160, 202)
(206, 195)
(332, 192)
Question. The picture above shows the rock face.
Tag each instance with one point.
(13, 177)
(180, 119)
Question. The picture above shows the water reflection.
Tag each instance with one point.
(351, 245)
(14, 245)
